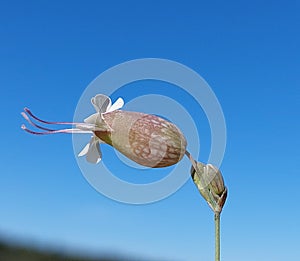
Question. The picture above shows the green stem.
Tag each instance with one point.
(217, 236)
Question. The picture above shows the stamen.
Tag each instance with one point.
(34, 124)
(49, 122)
(54, 131)
(79, 128)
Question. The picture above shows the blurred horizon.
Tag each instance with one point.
(19, 250)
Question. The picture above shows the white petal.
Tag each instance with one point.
(93, 119)
(84, 151)
(101, 103)
(94, 154)
(93, 123)
(117, 105)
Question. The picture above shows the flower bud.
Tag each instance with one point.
(210, 184)
(146, 139)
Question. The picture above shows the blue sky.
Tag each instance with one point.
(247, 52)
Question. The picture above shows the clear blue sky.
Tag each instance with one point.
(249, 54)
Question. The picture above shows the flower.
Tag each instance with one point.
(146, 139)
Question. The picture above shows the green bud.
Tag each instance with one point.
(210, 184)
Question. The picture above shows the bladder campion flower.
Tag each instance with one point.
(146, 139)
